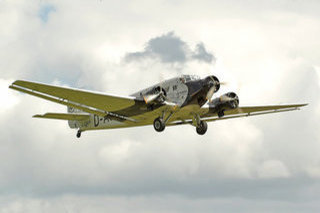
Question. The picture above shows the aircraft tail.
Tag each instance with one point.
(76, 118)
(80, 118)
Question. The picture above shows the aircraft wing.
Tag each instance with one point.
(245, 112)
(87, 101)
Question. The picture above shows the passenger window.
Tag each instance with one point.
(174, 87)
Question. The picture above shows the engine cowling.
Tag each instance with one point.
(156, 95)
(211, 81)
(227, 101)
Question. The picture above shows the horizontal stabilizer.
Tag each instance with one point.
(64, 116)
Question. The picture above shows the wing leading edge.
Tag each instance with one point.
(246, 112)
(90, 102)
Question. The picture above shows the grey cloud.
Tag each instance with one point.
(201, 53)
(169, 48)
(163, 204)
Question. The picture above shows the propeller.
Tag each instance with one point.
(150, 98)
(225, 98)
(212, 91)
(223, 83)
(159, 94)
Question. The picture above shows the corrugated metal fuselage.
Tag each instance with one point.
(186, 94)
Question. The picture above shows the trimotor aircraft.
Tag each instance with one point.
(186, 99)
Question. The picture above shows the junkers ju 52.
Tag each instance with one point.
(186, 99)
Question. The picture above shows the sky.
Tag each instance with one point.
(267, 51)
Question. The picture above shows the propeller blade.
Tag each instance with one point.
(223, 83)
(210, 93)
(226, 98)
(150, 98)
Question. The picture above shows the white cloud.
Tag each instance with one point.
(273, 169)
(314, 171)
(8, 98)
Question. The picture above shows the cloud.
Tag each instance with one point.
(201, 54)
(269, 162)
(169, 48)
(273, 169)
(152, 203)
(8, 98)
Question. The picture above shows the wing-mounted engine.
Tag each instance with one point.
(227, 101)
(156, 95)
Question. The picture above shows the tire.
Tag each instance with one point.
(159, 124)
(202, 128)
(221, 113)
(78, 134)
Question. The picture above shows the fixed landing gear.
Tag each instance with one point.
(79, 133)
(159, 125)
(221, 113)
(202, 128)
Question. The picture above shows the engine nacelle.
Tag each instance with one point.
(156, 95)
(227, 101)
(211, 81)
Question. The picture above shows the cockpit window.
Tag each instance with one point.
(191, 77)
(174, 87)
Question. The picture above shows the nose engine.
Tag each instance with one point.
(227, 101)
(206, 88)
(212, 83)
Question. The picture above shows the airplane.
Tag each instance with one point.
(186, 99)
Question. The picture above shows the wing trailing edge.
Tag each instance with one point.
(64, 116)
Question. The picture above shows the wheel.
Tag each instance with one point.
(221, 114)
(202, 128)
(78, 134)
(159, 124)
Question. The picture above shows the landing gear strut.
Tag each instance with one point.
(79, 133)
(202, 128)
(159, 124)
